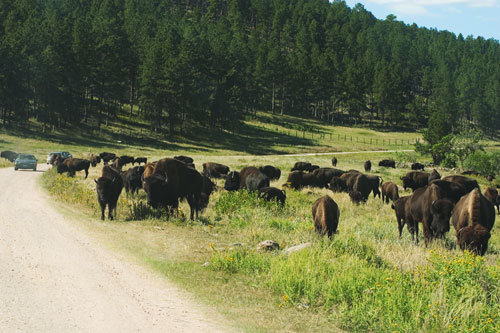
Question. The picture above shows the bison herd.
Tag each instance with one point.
(434, 201)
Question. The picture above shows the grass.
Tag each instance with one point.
(364, 279)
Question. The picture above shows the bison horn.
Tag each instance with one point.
(95, 180)
(433, 204)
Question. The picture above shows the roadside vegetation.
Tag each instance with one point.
(363, 279)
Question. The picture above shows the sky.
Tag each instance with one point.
(468, 17)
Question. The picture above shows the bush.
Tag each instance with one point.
(484, 163)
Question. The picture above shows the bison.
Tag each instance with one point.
(468, 184)
(140, 160)
(312, 167)
(415, 179)
(367, 165)
(401, 208)
(185, 159)
(364, 186)
(337, 185)
(206, 190)
(250, 178)
(271, 172)
(108, 187)
(172, 180)
(349, 178)
(94, 160)
(326, 215)
(334, 161)
(325, 175)
(299, 179)
(492, 195)
(9, 155)
(215, 170)
(387, 163)
(72, 165)
(106, 157)
(132, 179)
(272, 193)
(417, 166)
(301, 166)
(375, 182)
(473, 218)
(434, 175)
(389, 192)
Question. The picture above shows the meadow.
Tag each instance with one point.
(363, 279)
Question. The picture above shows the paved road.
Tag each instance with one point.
(54, 278)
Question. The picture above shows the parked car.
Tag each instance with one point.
(25, 161)
(63, 154)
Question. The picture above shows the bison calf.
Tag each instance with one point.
(326, 215)
(272, 193)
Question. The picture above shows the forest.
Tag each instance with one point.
(211, 62)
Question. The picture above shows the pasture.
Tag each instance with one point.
(363, 279)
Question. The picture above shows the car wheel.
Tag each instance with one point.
(15, 168)
(34, 169)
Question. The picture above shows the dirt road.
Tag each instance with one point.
(55, 278)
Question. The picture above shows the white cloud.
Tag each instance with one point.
(420, 3)
(408, 8)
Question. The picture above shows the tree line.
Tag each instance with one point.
(65, 62)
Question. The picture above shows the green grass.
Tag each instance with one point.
(364, 279)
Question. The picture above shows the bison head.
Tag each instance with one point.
(232, 181)
(356, 197)
(441, 213)
(474, 238)
(338, 185)
(407, 182)
(104, 188)
(433, 176)
(156, 188)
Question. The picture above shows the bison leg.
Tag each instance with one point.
(111, 208)
(86, 173)
(103, 207)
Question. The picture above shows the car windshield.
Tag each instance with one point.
(26, 157)
(65, 153)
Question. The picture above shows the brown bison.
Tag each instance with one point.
(312, 168)
(325, 175)
(106, 157)
(271, 172)
(301, 166)
(272, 193)
(492, 195)
(337, 185)
(389, 192)
(94, 160)
(431, 206)
(206, 190)
(173, 180)
(350, 178)
(132, 179)
(215, 170)
(467, 183)
(250, 178)
(401, 208)
(334, 161)
(415, 179)
(140, 160)
(326, 215)
(434, 175)
(363, 185)
(9, 155)
(387, 163)
(473, 218)
(417, 166)
(367, 165)
(108, 187)
(121, 161)
(299, 179)
(72, 165)
(185, 159)
(375, 182)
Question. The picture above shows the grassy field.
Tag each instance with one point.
(364, 279)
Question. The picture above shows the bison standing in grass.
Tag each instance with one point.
(334, 161)
(401, 208)
(272, 193)
(299, 179)
(9, 155)
(301, 166)
(271, 172)
(132, 179)
(72, 165)
(106, 157)
(473, 218)
(215, 170)
(387, 163)
(389, 192)
(415, 179)
(94, 160)
(140, 160)
(326, 215)
(492, 195)
(325, 175)
(250, 178)
(108, 187)
(367, 165)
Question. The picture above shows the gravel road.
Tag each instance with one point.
(53, 277)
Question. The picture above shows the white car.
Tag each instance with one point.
(63, 154)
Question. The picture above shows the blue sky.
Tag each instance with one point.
(469, 17)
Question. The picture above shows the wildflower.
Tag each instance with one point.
(230, 259)
(388, 279)
(285, 297)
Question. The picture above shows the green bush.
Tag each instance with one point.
(484, 163)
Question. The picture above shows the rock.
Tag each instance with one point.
(205, 264)
(297, 248)
(268, 245)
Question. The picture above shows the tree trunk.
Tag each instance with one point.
(131, 99)
(273, 100)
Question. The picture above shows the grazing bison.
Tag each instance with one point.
(337, 185)
(121, 161)
(401, 208)
(312, 168)
(106, 157)
(430, 206)
(364, 186)
(375, 182)
(367, 165)
(434, 175)
(173, 180)
(299, 179)
(72, 165)
(272, 193)
(325, 175)
(215, 170)
(334, 161)
(9, 155)
(415, 179)
(387, 163)
(301, 166)
(140, 160)
(417, 166)
(108, 187)
(271, 172)
(389, 192)
(349, 178)
(468, 184)
(185, 159)
(492, 195)
(473, 218)
(132, 179)
(94, 160)
(326, 215)
(250, 178)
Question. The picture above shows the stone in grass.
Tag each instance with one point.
(297, 248)
(268, 245)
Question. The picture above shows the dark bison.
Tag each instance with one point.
(185, 159)
(299, 179)
(9, 155)
(173, 180)
(94, 160)
(140, 160)
(389, 192)
(301, 166)
(272, 193)
(349, 178)
(367, 165)
(326, 215)
(271, 172)
(415, 179)
(132, 179)
(434, 175)
(363, 185)
(72, 165)
(431, 206)
(312, 167)
(215, 170)
(121, 161)
(473, 218)
(206, 190)
(337, 185)
(108, 187)
(250, 178)
(401, 208)
(467, 183)
(106, 157)
(492, 195)
(325, 175)
(417, 166)
(375, 182)
(334, 161)
(387, 163)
